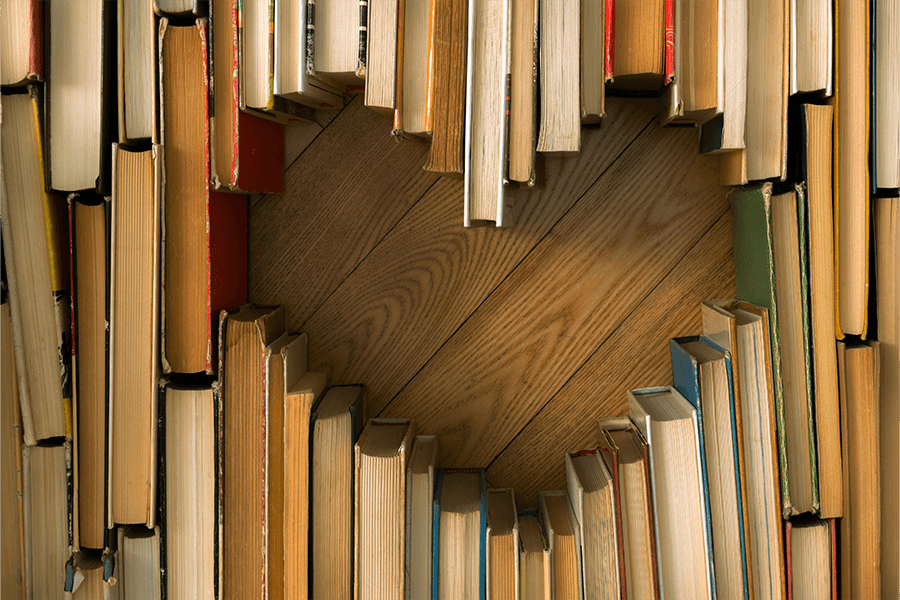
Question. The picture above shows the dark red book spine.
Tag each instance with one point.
(610, 37)
(670, 41)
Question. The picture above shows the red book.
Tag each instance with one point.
(205, 232)
(22, 56)
(247, 150)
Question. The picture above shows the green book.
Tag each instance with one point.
(770, 249)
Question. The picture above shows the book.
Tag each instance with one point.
(755, 281)
(627, 458)
(22, 43)
(698, 93)
(337, 421)
(190, 483)
(246, 151)
(815, 168)
(523, 64)
(885, 99)
(448, 88)
(298, 403)
(81, 106)
(204, 258)
(591, 489)
(744, 329)
(812, 46)
(84, 576)
(133, 368)
(420, 475)
(258, 362)
(534, 559)
(136, 58)
(47, 474)
(593, 49)
(179, 7)
(503, 544)
(291, 80)
(38, 276)
(564, 543)
(486, 126)
(560, 87)
(90, 255)
(702, 374)
(887, 294)
(341, 41)
(670, 425)
(851, 165)
(767, 91)
(12, 509)
(636, 44)
(138, 573)
(383, 55)
(811, 558)
(725, 131)
(460, 534)
(861, 525)
(380, 508)
(415, 69)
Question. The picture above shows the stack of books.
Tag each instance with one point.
(165, 438)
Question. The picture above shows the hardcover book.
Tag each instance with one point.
(420, 474)
(502, 544)
(136, 71)
(22, 42)
(534, 561)
(565, 544)
(460, 535)
(812, 563)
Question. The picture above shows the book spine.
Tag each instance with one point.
(36, 42)
(670, 41)
(610, 38)
(363, 38)
(310, 38)
(271, 51)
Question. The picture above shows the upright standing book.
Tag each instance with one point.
(33, 230)
(503, 544)
(22, 42)
(136, 71)
(812, 564)
(560, 68)
(523, 114)
(460, 534)
(564, 542)
(534, 560)
(420, 474)
(205, 250)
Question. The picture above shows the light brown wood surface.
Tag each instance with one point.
(507, 342)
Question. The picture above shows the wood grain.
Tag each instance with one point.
(635, 355)
(428, 275)
(526, 340)
(356, 185)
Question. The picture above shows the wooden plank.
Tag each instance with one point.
(354, 187)
(565, 298)
(298, 136)
(428, 275)
(635, 355)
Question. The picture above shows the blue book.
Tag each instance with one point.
(702, 373)
(460, 534)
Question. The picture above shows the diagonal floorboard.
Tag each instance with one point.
(572, 290)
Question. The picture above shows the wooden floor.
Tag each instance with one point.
(509, 343)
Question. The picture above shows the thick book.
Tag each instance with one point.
(340, 41)
(812, 562)
(862, 530)
(743, 328)
(413, 115)
(34, 228)
(47, 472)
(460, 535)
(298, 403)
(81, 95)
(383, 47)
(188, 488)
(593, 49)
(564, 542)
(522, 114)
(627, 456)
(502, 544)
(337, 422)
(812, 47)
(534, 559)
(698, 93)
(813, 154)
(670, 425)
(755, 282)
(420, 474)
(638, 36)
(246, 150)
(449, 88)
(138, 574)
(184, 8)
(136, 58)
(851, 165)
(258, 361)
(560, 86)
(133, 369)
(485, 195)
(89, 225)
(702, 373)
(592, 490)
(22, 42)
(204, 257)
(12, 508)
(885, 111)
(379, 510)
(887, 294)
